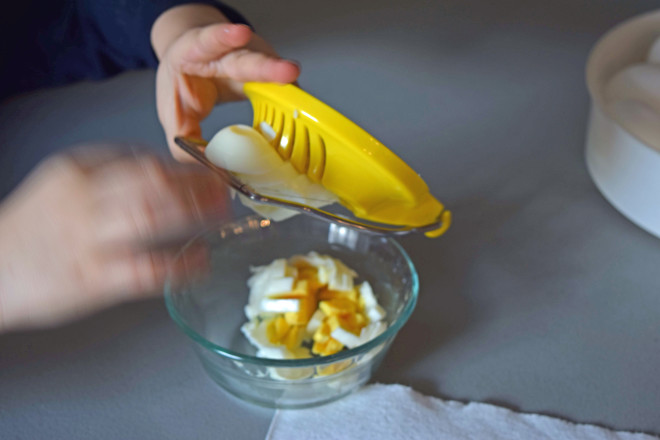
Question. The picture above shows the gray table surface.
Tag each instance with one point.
(541, 298)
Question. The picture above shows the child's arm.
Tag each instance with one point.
(61, 41)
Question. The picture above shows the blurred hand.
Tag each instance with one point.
(79, 233)
(207, 65)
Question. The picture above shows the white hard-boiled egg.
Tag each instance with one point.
(245, 152)
(242, 149)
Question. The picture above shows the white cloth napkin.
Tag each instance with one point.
(386, 412)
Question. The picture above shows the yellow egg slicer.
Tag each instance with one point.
(375, 185)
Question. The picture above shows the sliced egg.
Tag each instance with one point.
(279, 285)
(346, 338)
(245, 152)
(280, 305)
(292, 307)
(376, 313)
(315, 321)
(372, 330)
(242, 149)
(367, 295)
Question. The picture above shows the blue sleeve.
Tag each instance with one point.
(61, 41)
(119, 31)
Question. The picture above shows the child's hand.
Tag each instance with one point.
(207, 65)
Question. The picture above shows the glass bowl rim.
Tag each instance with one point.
(391, 330)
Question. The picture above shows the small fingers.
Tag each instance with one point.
(245, 65)
(212, 42)
(183, 102)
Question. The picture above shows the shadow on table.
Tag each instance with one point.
(112, 329)
(443, 311)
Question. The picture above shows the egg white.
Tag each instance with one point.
(245, 152)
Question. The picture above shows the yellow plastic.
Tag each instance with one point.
(369, 179)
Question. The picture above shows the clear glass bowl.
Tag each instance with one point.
(209, 308)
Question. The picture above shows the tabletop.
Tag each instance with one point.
(540, 298)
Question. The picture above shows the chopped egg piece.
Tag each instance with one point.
(276, 329)
(327, 347)
(327, 370)
(280, 305)
(372, 330)
(367, 295)
(345, 337)
(327, 294)
(315, 321)
(309, 305)
(376, 313)
(322, 333)
(255, 333)
(338, 306)
(279, 285)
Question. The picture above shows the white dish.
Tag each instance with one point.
(625, 169)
